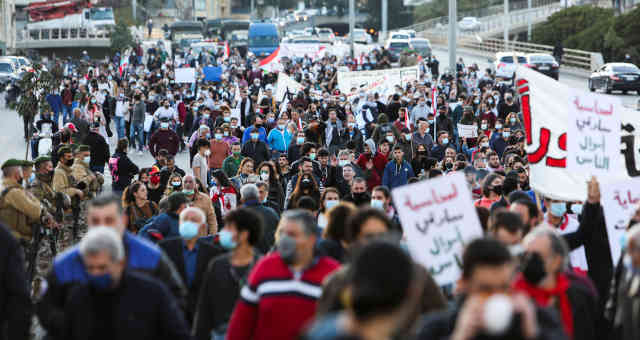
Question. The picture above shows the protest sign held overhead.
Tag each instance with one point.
(381, 81)
(467, 131)
(546, 121)
(186, 75)
(438, 219)
(619, 202)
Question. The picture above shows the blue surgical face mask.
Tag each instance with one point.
(188, 192)
(300, 140)
(101, 282)
(576, 208)
(506, 134)
(328, 204)
(164, 125)
(445, 140)
(188, 230)
(558, 209)
(32, 178)
(226, 239)
(378, 204)
(227, 119)
(87, 159)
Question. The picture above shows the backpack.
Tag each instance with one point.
(113, 167)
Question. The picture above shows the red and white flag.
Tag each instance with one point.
(407, 124)
(272, 62)
(227, 50)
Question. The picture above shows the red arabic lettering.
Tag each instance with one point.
(435, 199)
(523, 89)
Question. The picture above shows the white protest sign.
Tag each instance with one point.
(439, 219)
(186, 75)
(236, 113)
(285, 83)
(619, 202)
(593, 137)
(467, 131)
(380, 81)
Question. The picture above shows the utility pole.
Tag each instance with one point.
(506, 24)
(253, 7)
(134, 7)
(453, 24)
(193, 10)
(352, 24)
(529, 21)
(385, 18)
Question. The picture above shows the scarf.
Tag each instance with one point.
(544, 297)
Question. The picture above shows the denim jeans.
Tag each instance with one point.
(137, 129)
(119, 122)
(98, 168)
(67, 112)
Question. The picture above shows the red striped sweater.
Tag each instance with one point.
(276, 304)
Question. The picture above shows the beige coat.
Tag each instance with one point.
(19, 209)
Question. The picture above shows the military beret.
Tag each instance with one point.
(11, 162)
(63, 150)
(82, 148)
(27, 163)
(41, 159)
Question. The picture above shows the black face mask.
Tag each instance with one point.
(69, 162)
(497, 189)
(20, 181)
(533, 268)
(361, 197)
(306, 183)
(448, 166)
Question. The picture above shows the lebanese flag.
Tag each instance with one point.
(123, 64)
(227, 50)
(434, 96)
(272, 63)
(406, 119)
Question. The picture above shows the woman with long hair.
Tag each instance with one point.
(174, 185)
(138, 208)
(305, 186)
(330, 198)
(245, 170)
(268, 174)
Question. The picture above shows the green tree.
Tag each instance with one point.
(440, 8)
(121, 38)
(35, 86)
(568, 22)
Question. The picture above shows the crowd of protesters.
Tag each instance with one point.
(280, 223)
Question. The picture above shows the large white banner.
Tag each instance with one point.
(619, 202)
(313, 51)
(546, 122)
(285, 83)
(438, 219)
(381, 81)
(186, 75)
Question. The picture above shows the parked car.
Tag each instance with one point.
(422, 46)
(8, 71)
(361, 36)
(543, 63)
(615, 77)
(469, 24)
(326, 35)
(504, 65)
(396, 47)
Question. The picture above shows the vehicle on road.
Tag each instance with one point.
(72, 14)
(183, 34)
(504, 64)
(396, 47)
(399, 36)
(469, 24)
(8, 71)
(615, 77)
(360, 36)
(543, 63)
(263, 39)
(326, 35)
(422, 46)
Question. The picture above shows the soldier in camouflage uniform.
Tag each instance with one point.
(42, 189)
(21, 211)
(64, 182)
(82, 173)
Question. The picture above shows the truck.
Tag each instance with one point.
(69, 14)
(264, 39)
(183, 34)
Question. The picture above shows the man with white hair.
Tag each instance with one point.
(190, 256)
(118, 303)
(202, 201)
(69, 272)
(250, 196)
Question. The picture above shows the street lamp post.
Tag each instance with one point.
(453, 23)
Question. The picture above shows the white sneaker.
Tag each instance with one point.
(140, 152)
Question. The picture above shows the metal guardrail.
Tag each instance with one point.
(576, 59)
